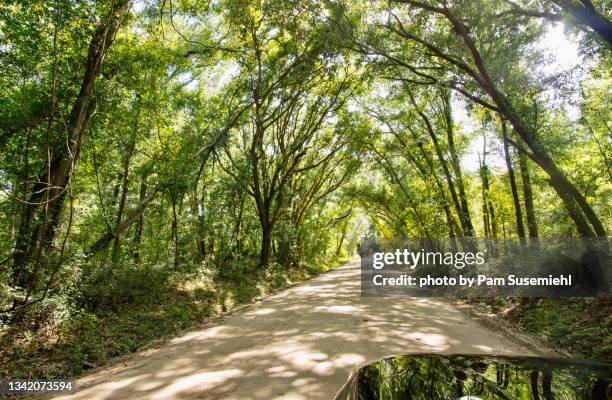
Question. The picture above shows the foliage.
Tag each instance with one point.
(47, 344)
(578, 326)
(244, 141)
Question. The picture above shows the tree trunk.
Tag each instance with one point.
(532, 224)
(196, 209)
(520, 228)
(124, 190)
(237, 231)
(465, 211)
(494, 230)
(341, 241)
(139, 222)
(485, 209)
(343, 235)
(582, 225)
(450, 219)
(487, 206)
(587, 15)
(449, 180)
(175, 232)
(266, 246)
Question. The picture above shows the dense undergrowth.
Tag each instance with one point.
(578, 326)
(121, 312)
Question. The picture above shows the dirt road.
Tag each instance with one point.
(297, 344)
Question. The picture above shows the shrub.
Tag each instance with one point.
(113, 286)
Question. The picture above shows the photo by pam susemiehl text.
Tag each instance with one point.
(480, 280)
(485, 267)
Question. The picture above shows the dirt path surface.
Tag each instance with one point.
(301, 343)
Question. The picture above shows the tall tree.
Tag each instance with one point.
(532, 224)
(41, 216)
(520, 228)
(292, 91)
(454, 157)
(461, 53)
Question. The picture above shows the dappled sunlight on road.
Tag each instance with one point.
(298, 344)
(200, 381)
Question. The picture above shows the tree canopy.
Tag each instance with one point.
(236, 135)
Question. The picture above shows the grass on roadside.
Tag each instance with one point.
(579, 326)
(39, 348)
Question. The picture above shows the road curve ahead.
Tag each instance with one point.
(300, 343)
